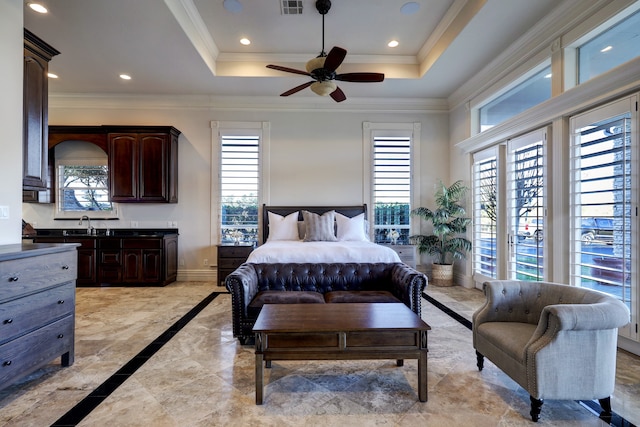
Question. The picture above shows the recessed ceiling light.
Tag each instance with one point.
(233, 6)
(393, 43)
(52, 76)
(245, 41)
(409, 8)
(37, 7)
(125, 77)
(606, 49)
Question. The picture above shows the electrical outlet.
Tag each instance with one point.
(181, 262)
(174, 224)
(205, 261)
(134, 224)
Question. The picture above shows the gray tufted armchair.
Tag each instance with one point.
(556, 341)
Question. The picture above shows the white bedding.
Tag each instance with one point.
(300, 252)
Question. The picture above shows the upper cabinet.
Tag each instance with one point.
(37, 55)
(143, 160)
(143, 165)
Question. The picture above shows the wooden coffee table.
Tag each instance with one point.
(340, 332)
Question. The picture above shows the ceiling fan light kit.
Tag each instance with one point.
(322, 69)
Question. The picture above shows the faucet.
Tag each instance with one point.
(89, 228)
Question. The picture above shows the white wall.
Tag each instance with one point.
(11, 52)
(316, 158)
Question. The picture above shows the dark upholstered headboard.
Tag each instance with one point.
(349, 211)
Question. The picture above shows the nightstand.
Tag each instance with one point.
(407, 253)
(229, 258)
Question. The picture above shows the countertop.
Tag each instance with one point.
(102, 232)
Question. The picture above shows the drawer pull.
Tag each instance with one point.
(13, 279)
(61, 301)
(60, 335)
(65, 267)
(8, 321)
(6, 363)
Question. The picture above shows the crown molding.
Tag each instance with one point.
(246, 103)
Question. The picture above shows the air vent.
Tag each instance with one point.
(291, 7)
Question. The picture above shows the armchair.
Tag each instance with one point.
(556, 341)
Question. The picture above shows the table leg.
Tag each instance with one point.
(422, 376)
(259, 378)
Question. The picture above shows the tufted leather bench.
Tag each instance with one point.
(253, 285)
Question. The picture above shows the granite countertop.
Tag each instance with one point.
(102, 232)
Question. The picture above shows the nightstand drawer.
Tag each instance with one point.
(407, 253)
(231, 257)
(231, 262)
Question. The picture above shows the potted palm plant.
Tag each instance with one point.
(447, 242)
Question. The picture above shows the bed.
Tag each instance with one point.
(341, 237)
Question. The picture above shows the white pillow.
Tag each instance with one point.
(283, 227)
(351, 229)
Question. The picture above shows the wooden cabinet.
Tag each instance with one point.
(141, 260)
(111, 260)
(37, 55)
(143, 165)
(229, 258)
(37, 308)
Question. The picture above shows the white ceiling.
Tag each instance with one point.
(189, 47)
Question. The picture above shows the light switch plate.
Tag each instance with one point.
(4, 212)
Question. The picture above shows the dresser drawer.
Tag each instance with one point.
(22, 355)
(239, 251)
(28, 275)
(25, 314)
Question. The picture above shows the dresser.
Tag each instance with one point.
(37, 307)
(231, 257)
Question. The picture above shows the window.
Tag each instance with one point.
(83, 188)
(392, 189)
(532, 91)
(485, 214)
(613, 47)
(239, 187)
(603, 200)
(526, 208)
(82, 182)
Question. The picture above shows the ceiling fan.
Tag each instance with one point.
(322, 69)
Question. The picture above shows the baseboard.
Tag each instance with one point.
(629, 345)
(199, 275)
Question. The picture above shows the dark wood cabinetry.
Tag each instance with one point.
(143, 166)
(229, 258)
(37, 55)
(109, 260)
(143, 160)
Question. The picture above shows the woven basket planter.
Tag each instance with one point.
(442, 275)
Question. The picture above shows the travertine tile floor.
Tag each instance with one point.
(203, 377)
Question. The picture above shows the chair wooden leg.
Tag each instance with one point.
(480, 360)
(536, 406)
(606, 405)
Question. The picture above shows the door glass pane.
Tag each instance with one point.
(485, 249)
(526, 208)
(602, 207)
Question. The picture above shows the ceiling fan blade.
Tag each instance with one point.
(338, 95)
(297, 89)
(288, 70)
(334, 58)
(361, 77)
